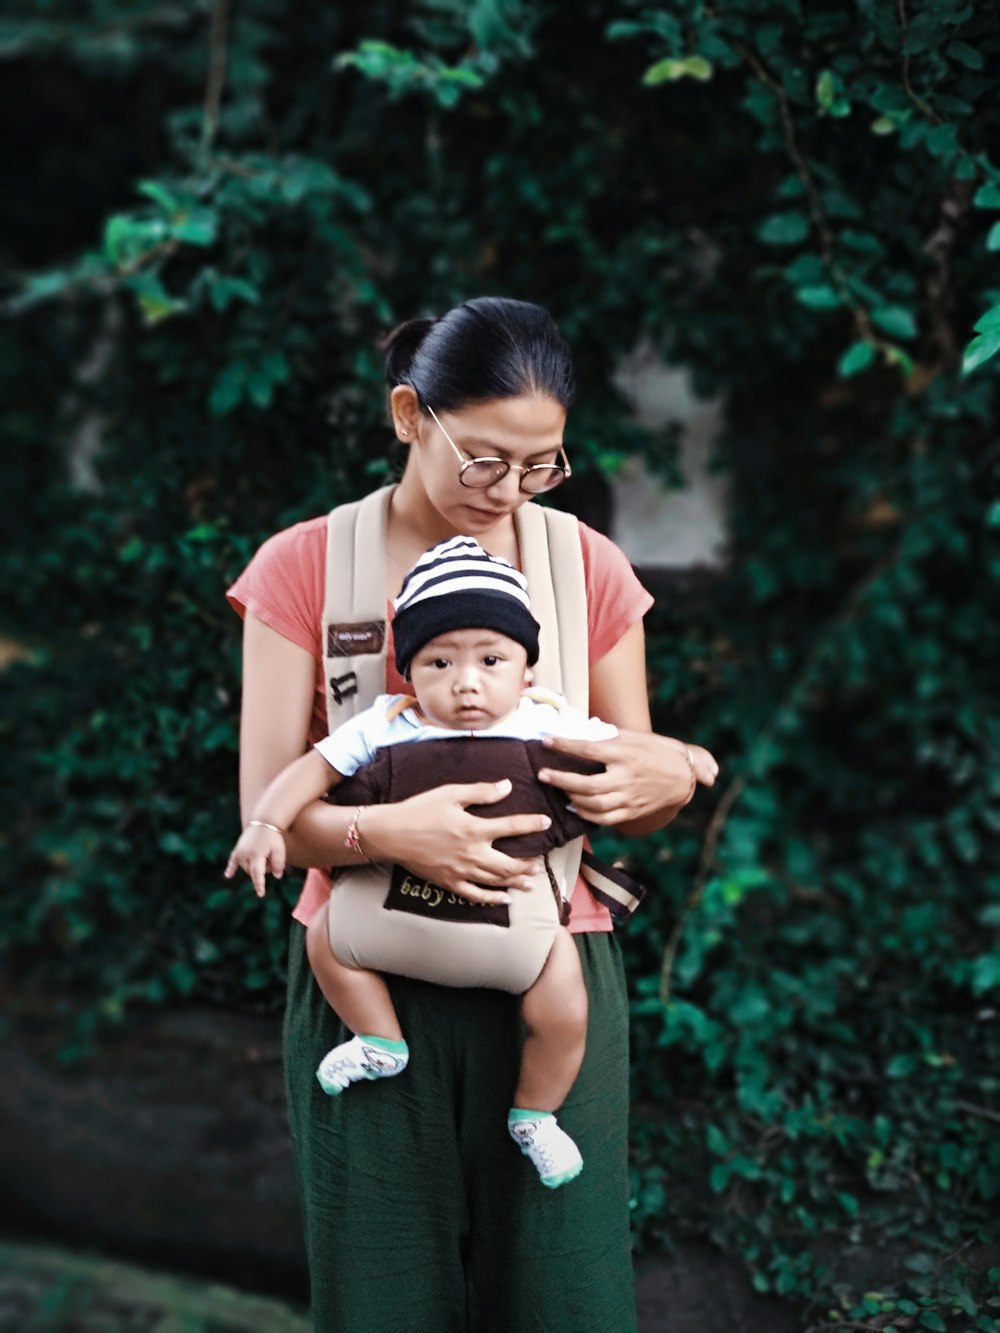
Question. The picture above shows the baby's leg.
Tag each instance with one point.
(554, 1010)
(361, 999)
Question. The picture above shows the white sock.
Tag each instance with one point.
(361, 1057)
(553, 1153)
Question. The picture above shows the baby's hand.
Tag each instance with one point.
(258, 850)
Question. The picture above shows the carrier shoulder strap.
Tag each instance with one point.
(354, 630)
(552, 563)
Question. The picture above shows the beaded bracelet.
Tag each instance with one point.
(352, 838)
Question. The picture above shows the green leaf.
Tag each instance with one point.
(719, 1177)
(831, 96)
(222, 291)
(717, 1142)
(931, 1319)
(980, 350)
(987, 196)
(858, 357)
(698, 68)
(884, 125)
(901, 1065)
(154, 301)
(668, 71)
(159, 194)
(664, 71)
(993, 239)
(895, 320)
(127, 239)
(896, 356)
(784, 229)
(227, 391)
(990, 321)
(986, 972)
(823, 297)
(195, 228)
(965, 55)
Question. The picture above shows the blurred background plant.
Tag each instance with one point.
(212, 214)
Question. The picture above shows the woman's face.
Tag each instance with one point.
(523, 430)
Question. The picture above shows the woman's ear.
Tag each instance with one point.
(405, 413)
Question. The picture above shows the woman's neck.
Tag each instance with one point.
(415, 526)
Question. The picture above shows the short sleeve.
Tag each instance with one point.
(283, 584)
(354, 742)
(616, 600)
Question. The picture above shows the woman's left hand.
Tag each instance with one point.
(646, 778)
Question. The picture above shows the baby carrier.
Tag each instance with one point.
(382, 917)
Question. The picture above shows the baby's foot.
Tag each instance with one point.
(361, 1057)
(553, 1153)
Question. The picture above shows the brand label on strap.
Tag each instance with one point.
(355, 640)
(410, 893)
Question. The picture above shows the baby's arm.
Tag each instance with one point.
(261, 845)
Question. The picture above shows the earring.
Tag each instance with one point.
(403, 430)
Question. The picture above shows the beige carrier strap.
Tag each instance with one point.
(552, 563)
(354, 629)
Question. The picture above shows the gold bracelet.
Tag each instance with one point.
(262, 823)
(352, 838)
(694, 776)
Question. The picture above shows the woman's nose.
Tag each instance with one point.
(507, 487)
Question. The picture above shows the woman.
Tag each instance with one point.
(418, 1213)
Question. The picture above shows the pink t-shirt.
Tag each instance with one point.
(283, 587)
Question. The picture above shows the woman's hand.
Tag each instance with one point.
(434, 836)
(647, 778)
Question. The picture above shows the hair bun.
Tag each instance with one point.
(401, 346)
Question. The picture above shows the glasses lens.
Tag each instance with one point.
(542, 477)
(483, 472)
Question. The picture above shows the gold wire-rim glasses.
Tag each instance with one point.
(494, 470)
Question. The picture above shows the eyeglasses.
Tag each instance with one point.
(478, 473)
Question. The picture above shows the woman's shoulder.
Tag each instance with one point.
(615, 597)
(601, 554)
(302, 540)
(283, 583)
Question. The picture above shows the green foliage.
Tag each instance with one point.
(800, 207)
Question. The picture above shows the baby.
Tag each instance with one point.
(465, 638)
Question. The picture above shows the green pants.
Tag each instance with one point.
(420, 1212)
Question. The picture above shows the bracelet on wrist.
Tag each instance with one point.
(694, 776)
(352, 838)
(262, 823)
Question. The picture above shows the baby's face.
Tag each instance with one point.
(469, 679)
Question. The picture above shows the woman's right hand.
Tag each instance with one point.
(434, 836)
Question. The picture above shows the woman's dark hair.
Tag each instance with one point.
(482, 350)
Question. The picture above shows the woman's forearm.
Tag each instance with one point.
(316, 838)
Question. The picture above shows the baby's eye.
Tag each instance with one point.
(440, 663)
(492, 659)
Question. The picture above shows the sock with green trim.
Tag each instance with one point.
(361, 1057)
(553, 1153)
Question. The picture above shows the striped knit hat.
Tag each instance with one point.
(458, 585)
